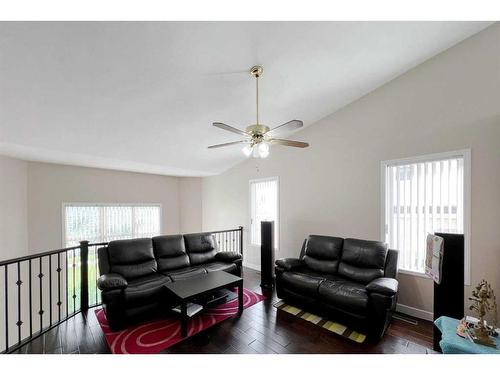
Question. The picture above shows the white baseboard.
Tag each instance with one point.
(254, 267)
(413, 311)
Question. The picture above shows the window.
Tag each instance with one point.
(103, 223)
(424, 195)
(263, 207)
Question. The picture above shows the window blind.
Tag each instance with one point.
(264, 207)
(420, 198)
(103, 223)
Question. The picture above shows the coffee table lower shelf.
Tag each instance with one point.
(186, 291)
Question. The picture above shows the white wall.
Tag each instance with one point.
(49, 185)
(333, 187)
(13, 208)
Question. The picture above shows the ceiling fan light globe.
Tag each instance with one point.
(255, 152)
(263, 155)
(263, 149)
(247, 150)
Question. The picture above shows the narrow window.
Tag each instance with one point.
(263, 207)
(420, 196)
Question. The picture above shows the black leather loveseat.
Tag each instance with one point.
(133, 272)
(351, 280)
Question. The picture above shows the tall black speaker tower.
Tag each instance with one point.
(267, 254)
(449, 294)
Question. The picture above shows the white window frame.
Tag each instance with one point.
(466, 155)
(101, 204)
(277, 225)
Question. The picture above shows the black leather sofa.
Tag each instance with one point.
(351, 280)
(133, 272)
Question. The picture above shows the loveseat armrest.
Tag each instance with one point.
(383, 285)
(111, 281)
(289, 264)
(227, 256)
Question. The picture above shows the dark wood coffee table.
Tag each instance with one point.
(186, 291)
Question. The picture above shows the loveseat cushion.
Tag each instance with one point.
(185, 273)
(132, 258)
(219, 266)
(302, 282)
(170, 252)
(362, 261)
(201, 248)
(345, 295)
(146, 289)
(322, 253)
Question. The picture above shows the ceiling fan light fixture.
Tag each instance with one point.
(263, 148)
(255, 152)
(259, 136)
(247, 150)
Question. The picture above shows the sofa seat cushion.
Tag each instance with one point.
(219, 266)
(185, 273)
(344, 294)
(146, 289)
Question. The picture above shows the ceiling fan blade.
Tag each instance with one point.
(220, 125)
(286, 127)
(228, 144)
(286, 142)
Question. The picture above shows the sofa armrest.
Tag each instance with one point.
(227, 256)
(111, 281)
(289, 264)
(383, 285)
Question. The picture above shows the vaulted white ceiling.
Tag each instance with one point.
(141, 96)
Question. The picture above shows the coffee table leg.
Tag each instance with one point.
(240, 298)
(184, 319)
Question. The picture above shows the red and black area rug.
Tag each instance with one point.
(155, 336)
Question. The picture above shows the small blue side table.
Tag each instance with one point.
(451, 343)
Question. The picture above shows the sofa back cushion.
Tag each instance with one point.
(322, 253)
(201, 247)
(170, 252)
(132, 258)
(362, 260)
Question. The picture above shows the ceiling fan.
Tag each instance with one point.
(259, 137)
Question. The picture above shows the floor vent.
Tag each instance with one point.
(405, 318)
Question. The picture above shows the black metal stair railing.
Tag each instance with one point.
(42, 290)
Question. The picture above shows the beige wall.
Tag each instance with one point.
(32, 194)
(13, 208)
(190, 205)
(49, 185)
(448, 103)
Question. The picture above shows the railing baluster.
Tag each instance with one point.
(40, 276)
(50, 290)
(6, 307)
(30, 298)
(67, 271)
(96, 267)
(19, 282)
(74, 282)
(59, 302)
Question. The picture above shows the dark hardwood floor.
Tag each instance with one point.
(261, 329)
